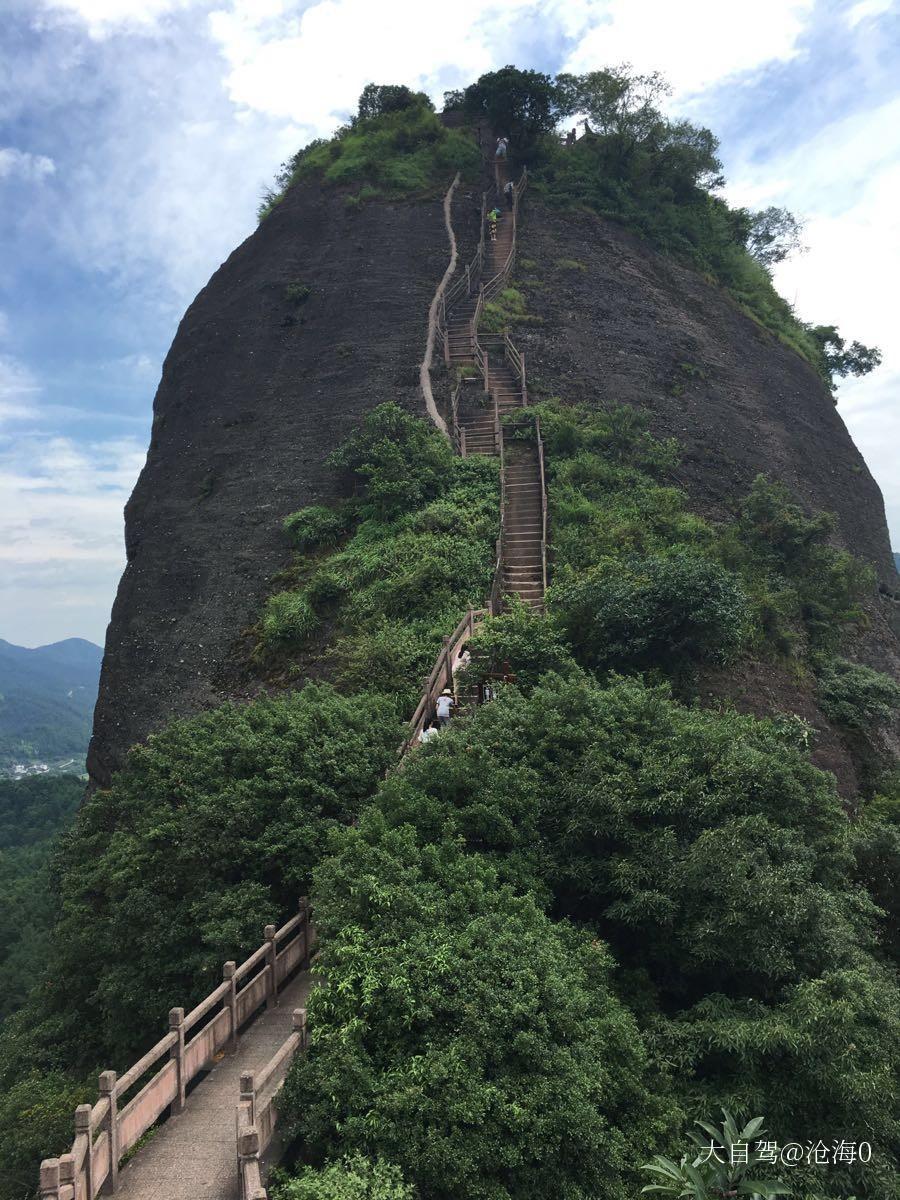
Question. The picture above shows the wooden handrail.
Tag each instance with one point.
(105, 1131)
(542, 469)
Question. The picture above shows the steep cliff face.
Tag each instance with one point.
(628, 326)
(620, 324)
(256, 390)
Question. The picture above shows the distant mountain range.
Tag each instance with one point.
(897, 560)
(47, 698)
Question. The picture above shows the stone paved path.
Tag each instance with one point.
(194, 1154)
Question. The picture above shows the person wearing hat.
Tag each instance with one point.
(445, 705)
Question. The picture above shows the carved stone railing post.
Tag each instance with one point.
(67, 1173)
(108, 1090)
(248, 1093)
(298, 1024)
(272, 960)
(230, 1002)
(49, 1180)
(248, 1152)
(83, 1127)
(176, 1054)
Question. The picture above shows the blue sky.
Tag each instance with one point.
(137, 135)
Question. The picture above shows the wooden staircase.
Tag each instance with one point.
(522, 555)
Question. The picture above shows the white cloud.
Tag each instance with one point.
(694, 43)
(22, 165)
(871, 410)
(104, 17)
(866, 9)
(844, 182)
(61, 547)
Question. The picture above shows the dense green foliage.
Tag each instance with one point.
(855, 696)
(654, 611)
(659, 177)
(724, 1161)
(211, 829)
(424, 524)
(464, 1036)
(640, 581)
(711, 858)
(33, 813)
(353, 1178)
(395, 146)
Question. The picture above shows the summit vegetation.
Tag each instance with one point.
(631, 164)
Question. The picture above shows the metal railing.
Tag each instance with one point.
(107, 1130)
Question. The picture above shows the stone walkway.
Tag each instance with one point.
(194, 1154)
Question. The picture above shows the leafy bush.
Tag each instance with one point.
(209, 831)
(856, 696)
(423, 549)
(507, 309)
(795, 575)
(316, 525)
(297, 293)
(524, 640)
(288, 618)
(462, 1035)
(726, 1161)
(396, 145)
(653, 611)
(36, 1111)
(353, 1178)
(399, 460)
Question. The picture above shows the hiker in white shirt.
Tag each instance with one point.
(444, 706)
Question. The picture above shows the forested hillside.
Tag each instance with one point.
(34, 817)
(656, 876)
(47, 698)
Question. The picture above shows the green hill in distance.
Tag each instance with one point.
(47, 697)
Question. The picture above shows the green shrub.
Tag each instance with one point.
(399, 460)
(397, 151)
(36, 1111)
(209, 831)
(353, 1178)
(316, 525)
(799, 578)
(506, 309)
(297, 293)
(288, 619)
(462, 1035)
(856, 696)
(653, 611)
(523, 639)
